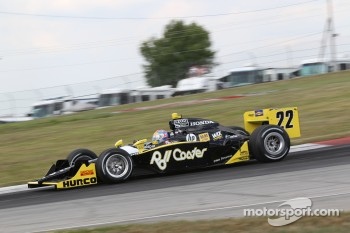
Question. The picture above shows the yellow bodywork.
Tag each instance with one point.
(175, 116)
(86, 175)
(140, 145)
(287, 118)
(119, 143)
(241, 155)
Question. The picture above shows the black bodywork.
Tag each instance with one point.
(195, 143)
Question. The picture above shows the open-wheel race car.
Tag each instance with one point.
(189, 144)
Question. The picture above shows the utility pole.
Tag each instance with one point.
(332, 36)
(329, 34)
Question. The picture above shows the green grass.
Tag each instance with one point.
(339, 224)
(27, 149)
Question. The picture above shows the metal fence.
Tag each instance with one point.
(19, 103)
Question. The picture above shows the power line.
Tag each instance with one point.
(180, 52)
(126, 40)
(77, 83)
(161, 54)
(272, 44)
(140, 73)
(271, 55)
(128, 82)
(273, 61)
(151, 18)
(306, 56)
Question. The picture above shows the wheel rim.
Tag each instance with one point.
(117, 166)
(274, 144)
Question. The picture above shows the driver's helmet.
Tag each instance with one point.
(160, 136)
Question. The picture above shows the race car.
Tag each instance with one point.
(189, 144)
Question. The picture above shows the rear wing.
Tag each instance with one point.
(287, 118)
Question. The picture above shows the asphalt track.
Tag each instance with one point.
(321, 174)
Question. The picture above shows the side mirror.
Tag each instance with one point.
(140, 145)
(119, 143)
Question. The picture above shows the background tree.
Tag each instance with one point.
(170, 57)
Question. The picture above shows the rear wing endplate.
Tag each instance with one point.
(287, 118)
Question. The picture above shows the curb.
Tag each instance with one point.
(321, 144)
(336, 142)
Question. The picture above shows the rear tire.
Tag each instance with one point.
(269, 143)
(114, 166)
(79, 155)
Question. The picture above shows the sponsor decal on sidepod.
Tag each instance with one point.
(177, 154)
(217, 135)
(191, 137)
(204, 137)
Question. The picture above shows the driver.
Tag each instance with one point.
(160, 137)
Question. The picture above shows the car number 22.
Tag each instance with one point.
(281, 115)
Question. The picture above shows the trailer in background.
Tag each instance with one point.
(322, 66)
(115, 96)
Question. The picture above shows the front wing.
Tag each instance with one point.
(85, 175)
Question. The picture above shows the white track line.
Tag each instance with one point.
(20, 188)
(307, 146)
(13, 189)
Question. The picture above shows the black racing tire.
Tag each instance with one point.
(240, 130)
(114, 166)
(269, 143)
(80, 154)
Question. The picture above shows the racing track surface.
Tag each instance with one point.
(322, 175)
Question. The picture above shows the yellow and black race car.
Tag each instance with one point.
(191, 143)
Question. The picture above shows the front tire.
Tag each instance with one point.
(80, 155)
(114, 166)
(269, 143)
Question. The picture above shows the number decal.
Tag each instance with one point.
(280, 116)
(289, 115)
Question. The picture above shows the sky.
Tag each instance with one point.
(94, 44)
